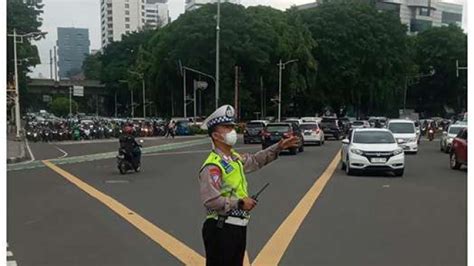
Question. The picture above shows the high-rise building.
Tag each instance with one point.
(418, 15)
(156, 13)
(73, 46)
(194, 4)
(120, 17)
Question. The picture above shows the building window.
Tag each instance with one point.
(127, 31)
(451, 18)
(127, 12)
(127, 5)
(127, 19)
(143, 14)
(110, 32)
(109, 5)
(110, 26)
(418, 25)
(423, 11)
(109, 12)
(127, 26)
(109, 19)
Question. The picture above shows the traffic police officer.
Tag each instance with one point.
(223, 188)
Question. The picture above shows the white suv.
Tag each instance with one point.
(405, 133)
(372, 149)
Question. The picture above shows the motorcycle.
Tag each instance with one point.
(431, 134)
(124, 162)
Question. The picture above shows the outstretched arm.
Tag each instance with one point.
(253, 162)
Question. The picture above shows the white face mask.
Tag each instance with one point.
(230, 138)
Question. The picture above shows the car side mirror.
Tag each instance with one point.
(346, 141)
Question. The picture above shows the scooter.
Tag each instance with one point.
(124, 162)
(431, 134)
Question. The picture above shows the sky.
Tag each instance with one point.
(86, 14)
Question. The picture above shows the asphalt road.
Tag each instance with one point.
(420, 219)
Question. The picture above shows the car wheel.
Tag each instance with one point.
(293, 151)
(349, 170)
(454, 161)
(343, 165)
(399, 172)
(122, 168)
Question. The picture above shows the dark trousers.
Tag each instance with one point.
(224, 246)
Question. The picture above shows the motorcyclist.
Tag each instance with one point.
(130, 146)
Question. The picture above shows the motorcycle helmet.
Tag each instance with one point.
(128, 130)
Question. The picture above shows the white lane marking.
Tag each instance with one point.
(61, 150)
(76, 142)
(116, 181)
(11, 263)
(9, 253)
(188, 152)
(10, 259)
(32, 157)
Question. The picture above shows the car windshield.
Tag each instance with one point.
(278, 128)
(358, 123)
(309, 126)
(402, 128)
(328, 120)
(454, 130)
(255, 125)
(373, 137)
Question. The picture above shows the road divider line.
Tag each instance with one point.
(32, 157)
(61, 150)
(175, 247)
(275, 248)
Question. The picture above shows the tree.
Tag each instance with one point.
(92, 66)
(253, 38)
(439, 48)
(60, 106)
(362, 56)
(24, 17)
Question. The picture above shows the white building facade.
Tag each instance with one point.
(119, 17)
(157, 13)
(418, 15)
(195, 4)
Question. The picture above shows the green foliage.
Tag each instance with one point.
(439, 48)
(60, 106)
(92, 66)
(24, 17)
(362, 56)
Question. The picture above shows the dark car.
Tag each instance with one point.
(274, 132)
(458, 155)
(331, 126)
(253, 131)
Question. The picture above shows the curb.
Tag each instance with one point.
(23, 155)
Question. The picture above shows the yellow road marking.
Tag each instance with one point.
(182, 252)
(274, 249)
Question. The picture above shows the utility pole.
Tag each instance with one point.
(70, 101)
(115, 101)
(236, 95)
(261, 96)
(131, 96)
(194, 101)
(17, 91)
(144, 101)
(55, 64)
(184, 92)
(281, 66)
(50, 64)
(217, 50)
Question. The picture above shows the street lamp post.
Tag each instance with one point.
(17, 90)
(217, 50)
(142, 77)
(184, 68)
(281, 66)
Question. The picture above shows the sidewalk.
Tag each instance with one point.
(16, 150)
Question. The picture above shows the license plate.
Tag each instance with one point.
(406, 147)
(378, 160)
(307, 133)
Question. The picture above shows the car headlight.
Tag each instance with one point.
(411, 140)
(397, 151)
(357, 151)
(28, 133)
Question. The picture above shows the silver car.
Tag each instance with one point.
(448, 136)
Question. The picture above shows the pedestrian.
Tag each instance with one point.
(223, 188)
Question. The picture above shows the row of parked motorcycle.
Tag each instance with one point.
(47, 131)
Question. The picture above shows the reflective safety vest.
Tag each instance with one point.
(233, 181)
